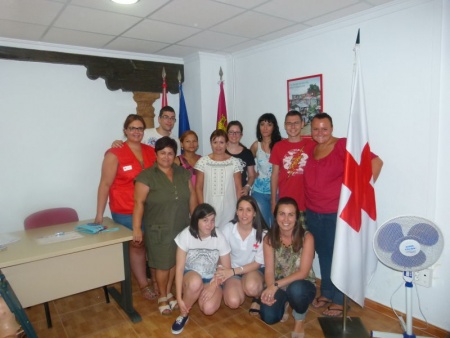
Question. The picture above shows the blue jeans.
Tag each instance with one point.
(323, 228)
(299, 294)
(265, 206)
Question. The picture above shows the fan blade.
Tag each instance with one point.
(408, 262)
(425, 233)
(388, 236)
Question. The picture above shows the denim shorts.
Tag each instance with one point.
(205, 280)
(261, 270)
(125, 219)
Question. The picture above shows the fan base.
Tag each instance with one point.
(377, 334)
(333, 328)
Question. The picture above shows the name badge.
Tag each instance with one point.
(127, 167)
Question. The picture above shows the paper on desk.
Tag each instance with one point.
(8, 239)
(56, 238)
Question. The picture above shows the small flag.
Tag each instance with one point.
(222, 110)
(183, 123)
(354, 261)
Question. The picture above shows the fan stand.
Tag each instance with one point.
(408, 327)
(343, 327)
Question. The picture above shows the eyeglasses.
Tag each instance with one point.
(168, 118)
(234, 133)
(138, 129)
(291, 124)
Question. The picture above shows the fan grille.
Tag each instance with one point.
(408, 243)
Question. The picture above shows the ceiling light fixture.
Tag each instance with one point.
(125, 2)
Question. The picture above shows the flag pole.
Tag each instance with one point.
(336, 327)
(164, 89)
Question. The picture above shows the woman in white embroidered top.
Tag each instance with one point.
(244, 234)
(219, 179)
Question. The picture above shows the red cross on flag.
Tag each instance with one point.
(354, 261)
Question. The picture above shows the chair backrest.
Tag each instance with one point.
(50, 217)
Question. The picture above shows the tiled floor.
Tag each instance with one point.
(87, 315)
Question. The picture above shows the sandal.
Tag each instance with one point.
(286, 313)
(332, 311)
(255, 307)
(173, 303)
(148, 293)
(297, 334)
(321, 302)
(164, 309)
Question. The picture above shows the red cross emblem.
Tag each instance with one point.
(357, 180)
(256, 245)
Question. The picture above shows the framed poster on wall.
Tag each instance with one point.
(305, 94)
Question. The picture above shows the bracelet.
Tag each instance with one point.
(242, 269)
(234, 272)
(248, 185)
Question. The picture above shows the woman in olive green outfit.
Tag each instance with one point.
(164, 196)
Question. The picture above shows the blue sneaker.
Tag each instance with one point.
(179, 324)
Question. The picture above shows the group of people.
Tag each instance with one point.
(237, 222)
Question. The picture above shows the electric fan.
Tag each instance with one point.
(408, 244)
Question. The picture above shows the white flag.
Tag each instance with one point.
(354, 261)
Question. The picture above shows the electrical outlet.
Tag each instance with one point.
(423, 277)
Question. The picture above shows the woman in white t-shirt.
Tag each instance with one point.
(245, 234)
(201, 247)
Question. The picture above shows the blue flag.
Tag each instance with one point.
(183, 123)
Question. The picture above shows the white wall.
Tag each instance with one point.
(401, 61)
(56, 126)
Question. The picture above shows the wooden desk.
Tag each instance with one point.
(39, 273)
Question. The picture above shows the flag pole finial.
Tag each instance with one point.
(220, 74)
(164, 73)
(357, 38)
(179, 76)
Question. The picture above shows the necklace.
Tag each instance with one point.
(282, 243)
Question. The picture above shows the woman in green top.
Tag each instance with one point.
(288, 256)
(165, 197)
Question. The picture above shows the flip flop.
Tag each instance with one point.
(321, 302)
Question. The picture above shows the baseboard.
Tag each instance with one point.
(387, 311)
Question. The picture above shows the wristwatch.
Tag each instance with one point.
(276, 284)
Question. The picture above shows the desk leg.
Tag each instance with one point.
(11, 300)
(125, 298)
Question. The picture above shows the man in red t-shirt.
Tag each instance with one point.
(288, 158)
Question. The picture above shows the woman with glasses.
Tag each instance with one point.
(267, 134)
(164, 198)
(119, 169)
(219, 179)
(236, 149)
